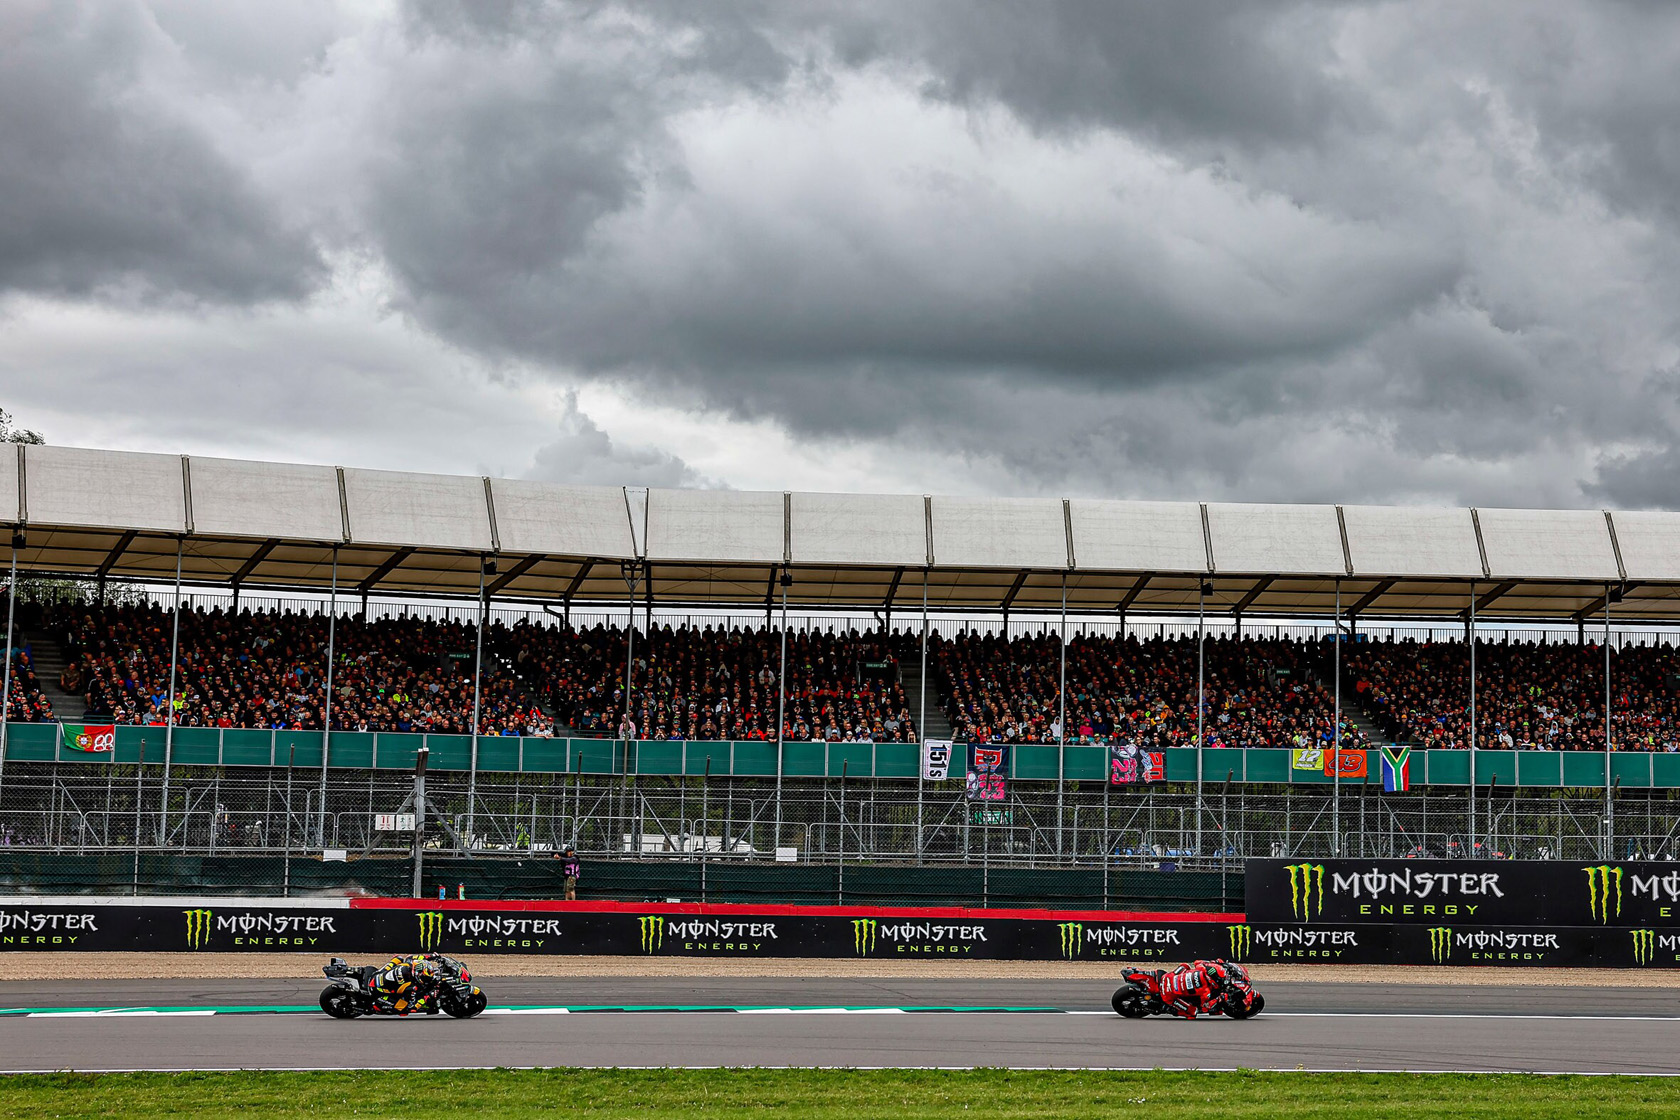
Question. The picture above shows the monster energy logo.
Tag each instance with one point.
(653, 932)
(1306, 883)
(1600, 879)
(198, 927)
(1241, 938)
(1073, 934)
(1644, 945)
(431, 929)
(1440, 944)
(863, 935)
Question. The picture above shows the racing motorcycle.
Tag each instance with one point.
(350, 994)
(1142, 994)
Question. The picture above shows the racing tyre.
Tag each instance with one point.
(338, 1003)
(1131, 1002)
(475, 1003)
(1251, 1011)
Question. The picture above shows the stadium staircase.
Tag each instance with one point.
(910, 676)
(1351, 709)
(49, 659)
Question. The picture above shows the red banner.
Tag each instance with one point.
(1350, 764)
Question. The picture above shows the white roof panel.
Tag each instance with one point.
(1138, 536)
(75, 486)
(887, 531)
(236, 498)
(715, 526)
(432, 511)
(543, 517)
(999, 533)
(1406, 541)
(1541, 544)
(10, 499)
(1276, 539)
(1650, 543)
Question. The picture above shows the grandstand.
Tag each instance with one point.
(813, 726)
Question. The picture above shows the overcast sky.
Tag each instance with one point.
(1414, 252)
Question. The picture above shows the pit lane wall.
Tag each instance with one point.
(378, 927)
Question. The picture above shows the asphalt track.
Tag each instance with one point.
(844, 1022)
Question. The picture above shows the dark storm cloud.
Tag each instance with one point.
(100, 188)
(1350, 251)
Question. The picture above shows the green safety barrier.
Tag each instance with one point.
(209, 746)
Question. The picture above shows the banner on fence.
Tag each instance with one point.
(1483, 892)
(1351, 764)
(1309, 759)
(1129, 764)
(1396, 769)
(90, 737)
(936, 759)
(988, 770)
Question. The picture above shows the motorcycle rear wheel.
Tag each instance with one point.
(1131, 1002)
(338, 1003)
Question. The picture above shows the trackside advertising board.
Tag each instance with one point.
(1466, 892)
(384, 927)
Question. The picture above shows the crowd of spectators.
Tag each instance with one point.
(1257, 692)
(25, 703)
(1529, 696)
(269, 670)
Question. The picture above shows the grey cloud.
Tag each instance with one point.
(586, 455)
(101, 190)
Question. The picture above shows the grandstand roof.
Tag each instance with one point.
(277, 525)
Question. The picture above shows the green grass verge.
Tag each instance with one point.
(725, 1094)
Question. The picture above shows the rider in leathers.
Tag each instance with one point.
(1192, 987)
(404, 980)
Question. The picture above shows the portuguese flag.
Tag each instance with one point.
(93, 738)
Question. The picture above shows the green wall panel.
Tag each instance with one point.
(1583, 769)
(196, 746)
(1633, 768)
(1539, 768)
(1268, 766)
(1033, 762)
(1499, 767)
(1665, 770)
(799, 760)
(754, 759)
(1451, 768)
(351, 749)
(247, 748)
(497, 752)
(657, 756)
(858, 759)
(901, 760)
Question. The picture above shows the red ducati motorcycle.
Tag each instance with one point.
(1206, 987)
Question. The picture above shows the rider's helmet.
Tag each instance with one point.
(425, 969)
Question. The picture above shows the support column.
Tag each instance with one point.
(326, 714)
(6, 682)
(781, 714)
(169, 718)
(630, 573)
(1336, 732)
(485, 567)
(921, 720)
(1201, 679)
(1061, 723)
(1470, 637)
(1609, 800)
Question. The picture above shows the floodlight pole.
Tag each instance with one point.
(420, 758)
(1609, 801)
(169, 719)
(484, 568)
(630, 573)
(326, 715)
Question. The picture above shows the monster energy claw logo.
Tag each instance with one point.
(1073, 934)
(431, 929)
(1600, 881)
(198, 927)
(1241, 941)
(653, 933)
(1440, 944)
(1644, 943)
(863, 936)
(1306, 890)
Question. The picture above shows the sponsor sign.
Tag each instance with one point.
(1246, 942)
(1080, 940)
(1464, 892)
(901, 937)
(246, 929)
(48, 929)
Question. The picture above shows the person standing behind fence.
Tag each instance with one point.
(571, 870)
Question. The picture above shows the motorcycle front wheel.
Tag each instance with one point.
(1250, 1011)
(338, 1003)
(476, 1002)
(1131, 1002)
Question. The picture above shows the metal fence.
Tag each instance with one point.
(124, 820)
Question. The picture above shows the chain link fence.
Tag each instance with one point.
(125, 830)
